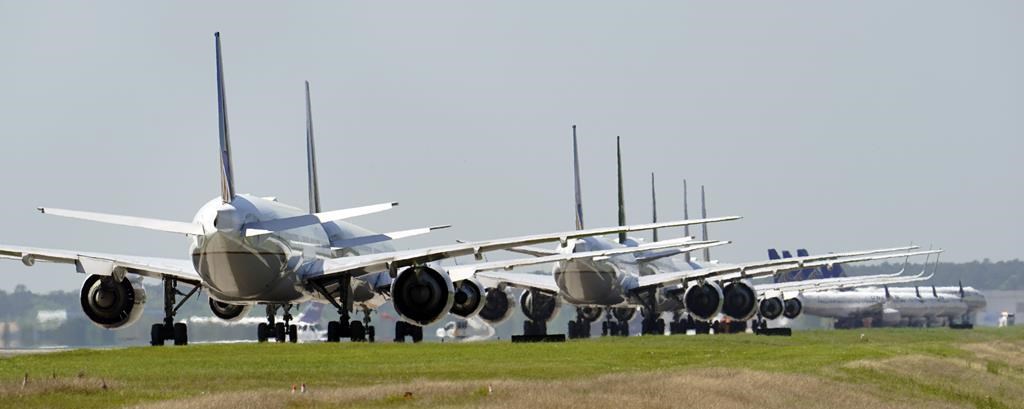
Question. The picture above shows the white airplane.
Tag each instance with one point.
(246, 250)
(472, 329)
(621, 283)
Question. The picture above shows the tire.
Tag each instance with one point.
(659, 327)
(180, 334)
(261, 332)
(624, 329)
(371, 334)
(279, 333)
(156, 335)
(417, 334)
(358, 332)
(333, 328)
(293, 334)
(604, 329)
(572, 330)
(400, 331)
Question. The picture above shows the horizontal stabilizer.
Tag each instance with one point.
(377, 238)
(140, 222)
(288, 223)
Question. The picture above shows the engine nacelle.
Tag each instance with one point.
(229, 312)
(703, 301)
(110, 303)
(469, 298)
(793, 308)
(538, 306)
(497, 305)
(422, 295)
(740, 301)
(771, 308)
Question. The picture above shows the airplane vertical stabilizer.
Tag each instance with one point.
(622, 193)
(686, 216)
(654, 208)
(704, 227)
(314, 183)
(227, 174)
(576, 180)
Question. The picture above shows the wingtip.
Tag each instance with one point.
(216, 34)
(394, 204)
(41, 210)
(443, 226)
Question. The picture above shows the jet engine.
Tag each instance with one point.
(110, 303)
(229, 312)
(469, 298)
(422, 295)
(704, 301)
(771, 308)
(740, 301)
(539, 306)
(793, 308)
(497, 305)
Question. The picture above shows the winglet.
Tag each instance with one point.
(704, 227)
(654, 208)
(686, 215)
(227, 174)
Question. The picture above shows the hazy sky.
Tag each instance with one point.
(831, 125)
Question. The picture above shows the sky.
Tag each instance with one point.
(830, 125)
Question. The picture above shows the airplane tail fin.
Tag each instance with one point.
(622, 193)
(806, 273)
(704, 227)
(917, 290)
(576, 180)
(654, 208)
(686, 215)
(773, 254)
(888, 296)
(314, 183)
(227, 174)
(961, 284)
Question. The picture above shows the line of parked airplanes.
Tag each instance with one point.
(247, 251)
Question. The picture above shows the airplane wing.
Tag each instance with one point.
(545, 282)
(828, 284)
(532, 251)
(463, 272)
(772, 267)
(106, 264)
(370, 263)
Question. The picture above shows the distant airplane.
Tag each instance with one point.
(618, 284)
(247, 250)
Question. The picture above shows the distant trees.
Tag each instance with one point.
(983, 275)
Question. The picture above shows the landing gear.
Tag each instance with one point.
(404, 329)
(170, 330)
(354, 331)
(580, 327)
(279, 331)
(535, 328)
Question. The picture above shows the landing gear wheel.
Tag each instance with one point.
(417, 333)
(262, 332)
(624, 329)
(279, 332)
(180, 334)
(358, 332)
(156, 335)
(659, 327)
(293, 333)
(333, 329)
(572, 330)
(371, 334)
(401, 331)
(605, 328)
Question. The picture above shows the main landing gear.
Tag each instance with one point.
(580, 327)
(278, 331)
(355, 331)
(170, 330)
(616, 322)
(404, 329)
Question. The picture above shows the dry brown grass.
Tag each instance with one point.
(703, 388)
(55, 384)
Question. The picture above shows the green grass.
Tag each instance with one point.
(144, 374)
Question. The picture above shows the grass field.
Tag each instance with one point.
(931, 368)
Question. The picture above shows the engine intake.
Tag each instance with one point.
(422, 295)
(740, 302)
(469, 298)
(771, 308)
(497, 305)
(793, 308)
(704, 301)
(539, 306)
(110, 303)
(229, 312)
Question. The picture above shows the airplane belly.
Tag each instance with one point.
(586, 284)
(235, 270)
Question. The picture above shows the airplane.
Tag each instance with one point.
(621, 284)
(247, 250)
(472, 329)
